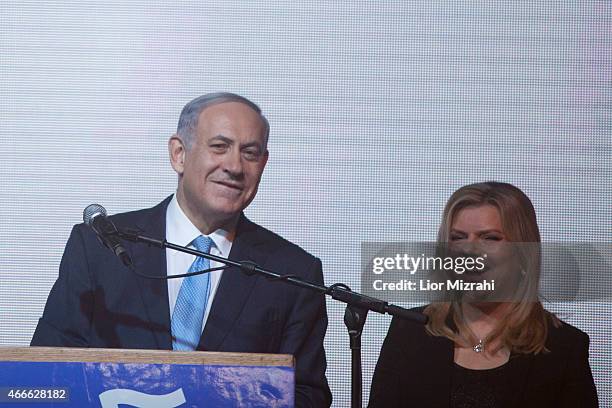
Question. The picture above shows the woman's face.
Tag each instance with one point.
(478, 231)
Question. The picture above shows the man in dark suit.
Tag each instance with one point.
(219, 153)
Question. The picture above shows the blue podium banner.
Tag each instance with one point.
(121, 385)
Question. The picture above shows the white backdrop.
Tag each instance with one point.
(378, 111)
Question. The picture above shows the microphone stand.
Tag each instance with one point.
(355, 314)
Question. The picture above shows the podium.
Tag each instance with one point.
(116, 378)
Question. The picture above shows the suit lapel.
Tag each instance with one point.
(235, 286)
(152, 261)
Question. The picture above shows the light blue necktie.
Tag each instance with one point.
(191, 302)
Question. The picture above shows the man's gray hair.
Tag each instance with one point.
(188, 121)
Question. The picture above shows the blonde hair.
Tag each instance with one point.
(524, 327)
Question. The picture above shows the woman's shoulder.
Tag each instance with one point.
(408, 343)
(399, 324)
(566, 361)
(563, 335)
(403, 332)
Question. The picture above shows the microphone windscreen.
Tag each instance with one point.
(92, 211)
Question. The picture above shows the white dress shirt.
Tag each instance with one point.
(181, 231)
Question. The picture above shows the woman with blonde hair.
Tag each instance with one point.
(487, 350)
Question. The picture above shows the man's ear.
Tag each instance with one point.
(177, 151)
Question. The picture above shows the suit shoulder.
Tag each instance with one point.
(137, 219)
(565, 334)
(137, 216)
(399, 324)
(276, 243)
(402, 328)
(419, 309)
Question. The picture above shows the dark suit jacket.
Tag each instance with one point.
(414, 370)
(97, 302)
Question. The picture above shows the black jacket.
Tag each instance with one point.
(414, 370)
(98, 302)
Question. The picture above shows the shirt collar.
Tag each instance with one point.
(181, 231)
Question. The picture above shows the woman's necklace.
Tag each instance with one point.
(479, 347)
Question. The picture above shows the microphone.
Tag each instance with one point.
(94, 215)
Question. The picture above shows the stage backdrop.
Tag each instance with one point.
(378, 111)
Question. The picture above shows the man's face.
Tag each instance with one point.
(220, 173)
